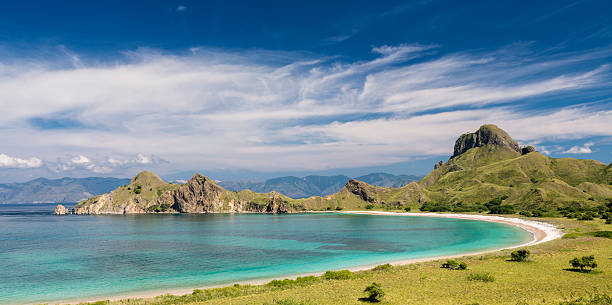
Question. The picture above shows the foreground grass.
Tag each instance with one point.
(542, 280)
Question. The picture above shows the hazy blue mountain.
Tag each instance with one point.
(43, 190)
(296, 187)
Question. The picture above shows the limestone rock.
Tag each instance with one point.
(437, 165)
(61, 210)
(527, 149)
(486, 135)
(360, 189)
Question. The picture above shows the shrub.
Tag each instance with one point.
(454, 265)
(435, 207)
(609, 221)
(604, 234)
(520, 255)
(138, 189)
(525, 213)
(369, 206)
(338, 275)
(197, 291)
(483, 277)
(501, 209)
(585, 263)
(382, 267)
(339, 208)
(407, 209)
(374, 292)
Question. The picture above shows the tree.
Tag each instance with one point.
(374, 292)
(585, 263)
(520, 255)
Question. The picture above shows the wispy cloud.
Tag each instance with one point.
(181, 8)
(267, 110)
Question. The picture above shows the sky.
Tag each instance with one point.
(248, 90)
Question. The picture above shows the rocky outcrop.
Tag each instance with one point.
(438, 165)
(147, 193)
(486, 135)
(199, 195)
(360, 189)
(527, 149)
(61, 210)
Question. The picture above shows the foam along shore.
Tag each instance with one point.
(541, 232)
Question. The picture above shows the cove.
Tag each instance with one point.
(46, 258)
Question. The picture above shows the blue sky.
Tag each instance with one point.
(255, 89)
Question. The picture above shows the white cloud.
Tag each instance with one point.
(14, 162)
(181, 8)
(584, 149)
(265, 110)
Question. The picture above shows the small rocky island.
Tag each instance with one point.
(486, 166)
(61, 210)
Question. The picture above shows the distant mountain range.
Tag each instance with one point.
(68, 190)
(43, 190)
(308, 186)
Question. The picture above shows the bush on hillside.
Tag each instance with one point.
(584, 264)
(374, 292)
(382, 267)
(454, 265)
(520, 255)
(338, 275)
(369, 206)
(502, 209)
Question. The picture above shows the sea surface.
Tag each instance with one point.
(46, 258)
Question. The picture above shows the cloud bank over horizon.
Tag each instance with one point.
(263, 110)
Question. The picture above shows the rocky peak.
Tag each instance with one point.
(488, 134)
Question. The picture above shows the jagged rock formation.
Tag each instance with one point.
(61, 210)
(486, 135)
(487, 164)
(147, 193)
(527, 149)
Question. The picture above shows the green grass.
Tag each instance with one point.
(542, 280)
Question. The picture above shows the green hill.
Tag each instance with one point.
(488, 172)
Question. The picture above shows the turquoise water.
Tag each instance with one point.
(46, 258)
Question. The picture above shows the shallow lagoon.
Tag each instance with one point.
(47, 258)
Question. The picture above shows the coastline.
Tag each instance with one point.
(541, 232)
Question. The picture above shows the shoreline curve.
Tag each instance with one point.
(541, 232)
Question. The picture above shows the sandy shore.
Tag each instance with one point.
(541, 232)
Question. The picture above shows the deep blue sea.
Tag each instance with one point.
(46, 258)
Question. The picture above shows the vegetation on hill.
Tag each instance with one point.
(488, 172)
